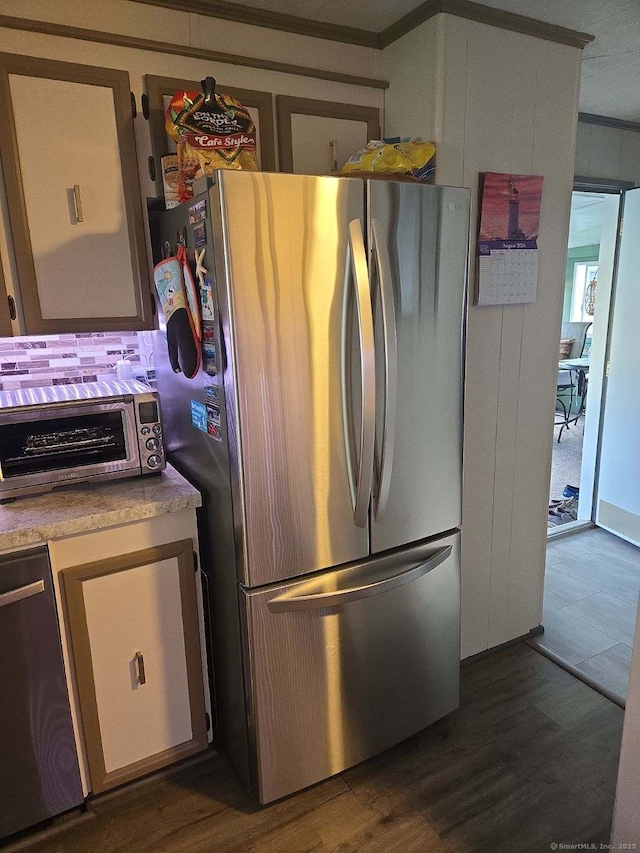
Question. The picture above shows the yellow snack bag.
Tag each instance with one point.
(394, 156)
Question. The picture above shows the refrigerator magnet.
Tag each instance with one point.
(210, 354)
(199, 235)
(213, 423)
(198, 415)
(211, 394)
(206, 300)
(208, 333)
(198, 211)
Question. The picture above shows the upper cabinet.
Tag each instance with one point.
(68, 153)
(318, 137)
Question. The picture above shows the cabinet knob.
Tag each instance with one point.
(139, 659)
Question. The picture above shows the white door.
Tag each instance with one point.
(618, 499)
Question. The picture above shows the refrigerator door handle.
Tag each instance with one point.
(357, 271)
(291, 601)
(384, 464)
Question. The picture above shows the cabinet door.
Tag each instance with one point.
(318, 137)
(5, 308)
(136, 651)
(68, 150)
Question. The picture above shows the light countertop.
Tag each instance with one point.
(84, 507)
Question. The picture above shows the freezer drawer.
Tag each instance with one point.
(348, 663)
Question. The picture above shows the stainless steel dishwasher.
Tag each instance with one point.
(39, 774)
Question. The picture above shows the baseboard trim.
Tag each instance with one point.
(534, 632)
(569, 667)
(567, 529)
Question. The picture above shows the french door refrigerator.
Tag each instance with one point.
(324, 431)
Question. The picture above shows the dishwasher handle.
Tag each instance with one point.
(21, 592)
(291, 601)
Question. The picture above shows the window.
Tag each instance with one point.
(583, 275)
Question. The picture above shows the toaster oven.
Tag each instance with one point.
(63, 434)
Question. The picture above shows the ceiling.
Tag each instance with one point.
(586, 219)
(611, 63)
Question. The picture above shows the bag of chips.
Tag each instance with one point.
(400, 156)
(212, 131)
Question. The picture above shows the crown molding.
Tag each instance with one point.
(484, 15)
(28, 25)
(243, 14)
(350, 35)
(605, 121)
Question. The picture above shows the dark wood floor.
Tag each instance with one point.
(529, 758)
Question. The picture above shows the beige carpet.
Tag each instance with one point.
(567, 459)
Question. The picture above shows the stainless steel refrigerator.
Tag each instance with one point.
(324, 430)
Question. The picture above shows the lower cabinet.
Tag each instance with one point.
(133, 627)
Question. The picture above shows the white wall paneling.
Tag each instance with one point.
(607, 152)
(504, 102)
(409, 110)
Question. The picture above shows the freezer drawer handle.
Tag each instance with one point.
(289, 601)
(357, 271)
(21, 592)
(384, 462)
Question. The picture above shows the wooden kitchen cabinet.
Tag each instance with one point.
(133, 626)
(318, 137)
(73, 197)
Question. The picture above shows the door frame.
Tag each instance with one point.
(610, 187)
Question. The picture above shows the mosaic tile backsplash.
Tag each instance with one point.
(36, 361)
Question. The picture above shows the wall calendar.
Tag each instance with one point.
(507, 248)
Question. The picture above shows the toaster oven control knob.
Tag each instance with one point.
(157, 429)
(153, 444)
(154, 461)
(145, 431)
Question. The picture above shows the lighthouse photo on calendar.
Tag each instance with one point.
(510, 210)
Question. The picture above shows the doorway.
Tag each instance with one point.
(592, 579)
(589, 274)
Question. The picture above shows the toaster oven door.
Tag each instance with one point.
(39, 447)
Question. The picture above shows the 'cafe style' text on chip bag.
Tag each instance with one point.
(212, 131)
